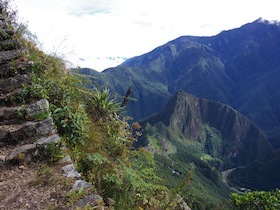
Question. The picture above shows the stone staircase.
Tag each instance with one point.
(21, 133)
(26, 128)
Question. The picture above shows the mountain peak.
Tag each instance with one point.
(271, 22)
(261, 20)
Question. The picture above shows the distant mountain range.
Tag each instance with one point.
(239, 67)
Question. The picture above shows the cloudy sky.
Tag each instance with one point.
(88, 29)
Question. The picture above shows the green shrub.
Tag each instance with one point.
(257, 200)
(51, 152)
(41, 115)
(102, 105)
(71, 123)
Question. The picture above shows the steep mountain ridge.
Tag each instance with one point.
(189, 118)
(203, 137)
(239, 67)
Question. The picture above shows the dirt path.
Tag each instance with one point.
(35, 186)
(225, 175)
(225, 179)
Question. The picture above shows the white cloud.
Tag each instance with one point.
(128, 28)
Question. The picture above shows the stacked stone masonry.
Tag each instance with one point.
(20, 134)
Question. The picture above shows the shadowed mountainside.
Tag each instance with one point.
(204, 137)
(219, 130)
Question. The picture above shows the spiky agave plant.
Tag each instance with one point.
(104, 104)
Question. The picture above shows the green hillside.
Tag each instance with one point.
(204, 137)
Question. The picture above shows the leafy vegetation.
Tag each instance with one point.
(51, 153)
(256, 200)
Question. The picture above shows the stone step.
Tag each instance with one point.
(2, 17)
(12, 98)
(3, 24)
(10, 69)
(28, 152)
(25, 132)
(6, 34)
(16, 97)
(9, 55)
(13, 83)
(10, 44)
(12, 115)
